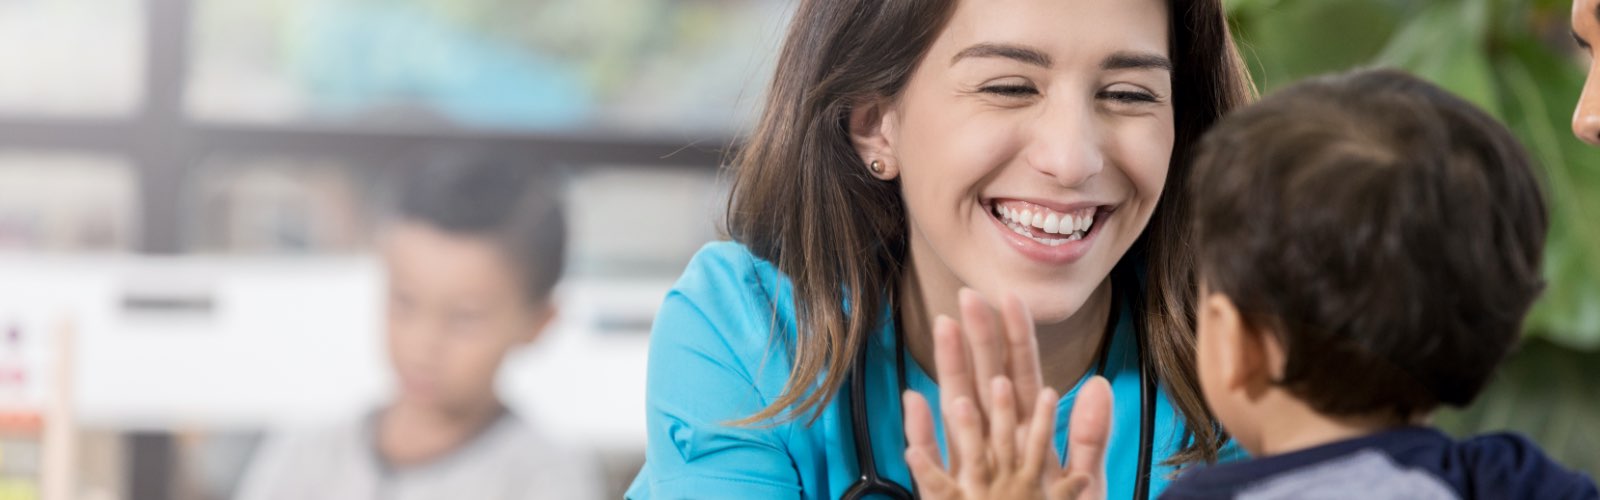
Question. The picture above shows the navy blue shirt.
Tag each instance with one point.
(1410, 462)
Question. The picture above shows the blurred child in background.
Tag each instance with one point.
(471, 258)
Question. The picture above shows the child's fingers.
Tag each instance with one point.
(1090, 428)
(971, 466)
(919, 423)
(931, 480)
(1039, 445)
(1023, 351)
(1003, 422)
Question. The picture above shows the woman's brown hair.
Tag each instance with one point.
(803, 200)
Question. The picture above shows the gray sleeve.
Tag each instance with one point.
(565, 473)
(1368, 475)
(272, 473)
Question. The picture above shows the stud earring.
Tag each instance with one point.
(876, 167)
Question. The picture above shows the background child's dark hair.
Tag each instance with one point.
(1390, 234)
(515, 206)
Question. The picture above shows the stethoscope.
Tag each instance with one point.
(872, 483)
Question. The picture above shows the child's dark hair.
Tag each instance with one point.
(1388, 233)
(515, 206)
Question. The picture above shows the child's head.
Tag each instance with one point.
(472, 256)
(1368, 246)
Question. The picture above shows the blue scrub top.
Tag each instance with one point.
(714, 359)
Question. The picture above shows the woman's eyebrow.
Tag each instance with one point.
(1136, 60)
(1036, 57)
(1019, 53)
(1581, 42)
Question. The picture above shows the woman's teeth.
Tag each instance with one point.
(1046, 226)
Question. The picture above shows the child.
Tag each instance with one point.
(1368, 246)
(471, 261)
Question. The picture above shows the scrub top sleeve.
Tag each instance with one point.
(697, 384)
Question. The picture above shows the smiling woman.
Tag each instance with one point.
(907, 150)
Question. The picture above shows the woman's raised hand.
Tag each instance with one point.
(1000, 432)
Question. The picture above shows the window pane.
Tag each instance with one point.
(71, 57)
(59, 202)
(646, 66)
(633, 222)
(277, 205)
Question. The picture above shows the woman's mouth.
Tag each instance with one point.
(1047, 226)
(1049, 234)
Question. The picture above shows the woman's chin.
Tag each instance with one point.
(1053, 312)
(1051, 303)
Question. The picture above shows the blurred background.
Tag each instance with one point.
(189, 191)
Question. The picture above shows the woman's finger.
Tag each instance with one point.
(1039, 450)
(919, 424)
(922, 450)
(931, 480)
(1090, 427)
(1022, 350)
(972, 466)
(955, 374)
(986, 345)
(1003, 423)
(1074, 487)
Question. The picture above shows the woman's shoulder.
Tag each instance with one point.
(726, 278)
(726, 306)
(722, 264)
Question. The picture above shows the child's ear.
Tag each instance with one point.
(544, 316)
(1273, 356)
(1248, 358)
(872, 128)
(1261, 358)
(1225, 329)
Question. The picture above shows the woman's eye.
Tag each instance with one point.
(1011, 90)
(1129, 96)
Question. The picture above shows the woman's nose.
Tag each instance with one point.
(1586, 119)
(1066, 146)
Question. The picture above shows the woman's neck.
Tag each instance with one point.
(1066, 349)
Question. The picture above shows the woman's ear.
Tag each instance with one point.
(872, 126)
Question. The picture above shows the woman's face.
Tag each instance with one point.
(1032, 142)
(1586, 28)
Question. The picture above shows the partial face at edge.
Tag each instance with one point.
(1586, 30)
